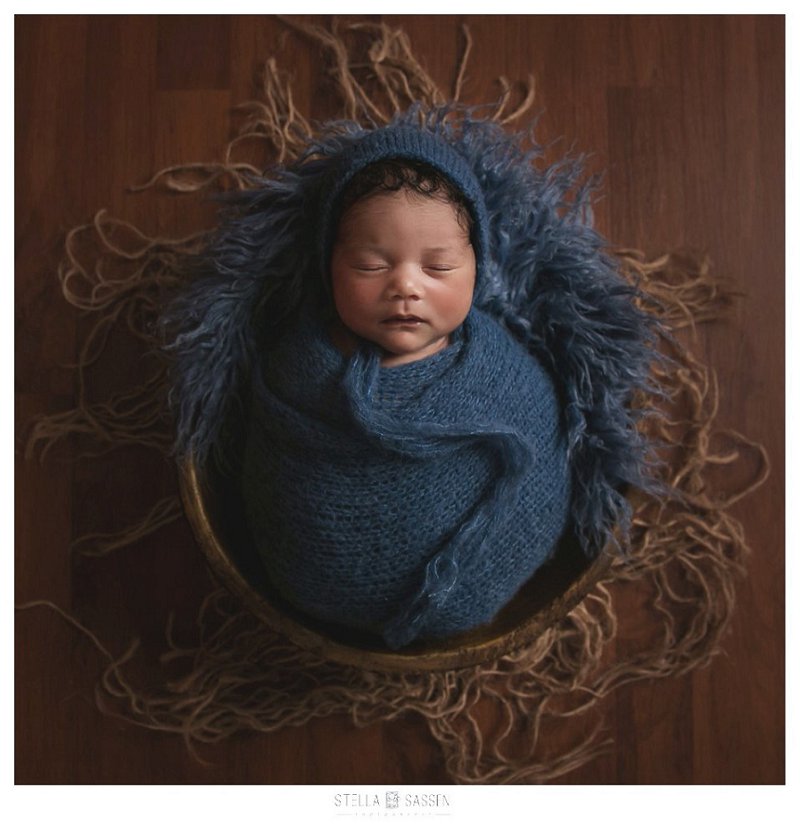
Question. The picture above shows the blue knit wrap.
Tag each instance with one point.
(411, 501)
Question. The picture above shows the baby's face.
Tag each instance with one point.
(403, 273)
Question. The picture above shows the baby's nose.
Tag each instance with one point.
(404, 283)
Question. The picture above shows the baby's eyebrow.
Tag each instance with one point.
(361, 246)
(438, 250)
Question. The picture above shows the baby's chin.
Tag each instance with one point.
(403, 351)
(399, 347)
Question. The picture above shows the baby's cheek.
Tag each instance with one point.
(454, 303)
(354, 300)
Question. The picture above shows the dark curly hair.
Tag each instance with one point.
(389, 175)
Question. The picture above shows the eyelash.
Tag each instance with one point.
(369, 268)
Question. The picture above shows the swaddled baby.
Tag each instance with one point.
(436, 388)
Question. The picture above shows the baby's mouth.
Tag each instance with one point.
(403, 319)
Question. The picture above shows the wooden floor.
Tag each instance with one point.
(686, 116)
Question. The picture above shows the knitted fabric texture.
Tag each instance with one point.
(411, 501)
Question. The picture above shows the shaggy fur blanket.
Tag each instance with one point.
(558, 306)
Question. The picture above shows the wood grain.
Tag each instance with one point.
(685, 115)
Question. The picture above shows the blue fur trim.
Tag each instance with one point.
(245, 285)
(549, 280)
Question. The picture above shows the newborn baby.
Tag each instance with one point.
(437, 362)
(406, 467)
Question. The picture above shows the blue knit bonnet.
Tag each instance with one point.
(405, 142)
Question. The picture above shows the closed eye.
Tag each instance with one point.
(369, 268)
(441, 268)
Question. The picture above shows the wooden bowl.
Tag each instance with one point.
(215, 512)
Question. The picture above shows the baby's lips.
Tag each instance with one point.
(403, 317)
